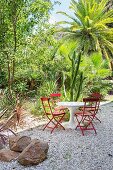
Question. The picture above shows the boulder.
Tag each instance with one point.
(7, 155)
(1, 144)
(34, 153)
(19, 143)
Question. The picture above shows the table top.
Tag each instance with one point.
(70, 104)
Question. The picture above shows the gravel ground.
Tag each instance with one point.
(69, 150)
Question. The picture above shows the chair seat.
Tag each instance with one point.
(86, 113)
(88, 109)
(60, 108)
(57, 113)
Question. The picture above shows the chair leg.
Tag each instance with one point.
(58, 123)
(90, 123)
(93, 128)
(95, 117)
(98, 119)
(50, 120)
(89, 120)
(79, 125)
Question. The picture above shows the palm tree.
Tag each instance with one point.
(89, 26)
(89, 29)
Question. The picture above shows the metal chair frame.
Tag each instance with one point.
(98, 96)
(85, 117)
(56, 97)
(54, 116)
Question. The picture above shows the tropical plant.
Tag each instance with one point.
(92, 72)
(95, 70)
(88, 28)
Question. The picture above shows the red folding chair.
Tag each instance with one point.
(56, 97)
(55, 117)
(85, 117)
(98, 96)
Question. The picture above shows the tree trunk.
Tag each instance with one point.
(9, 76)
(15, 46)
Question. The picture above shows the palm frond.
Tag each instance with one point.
(89, 26)
(70, 17)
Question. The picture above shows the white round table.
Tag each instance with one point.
(72, 108)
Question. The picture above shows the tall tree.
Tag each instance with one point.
(19, 20)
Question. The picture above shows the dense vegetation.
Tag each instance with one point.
(38, 58)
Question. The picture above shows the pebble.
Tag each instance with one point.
(69, 150)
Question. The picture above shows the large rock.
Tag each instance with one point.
(8, 155)
(2, 145)
(19, 143)
(34, 153)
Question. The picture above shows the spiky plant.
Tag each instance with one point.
(88, 27)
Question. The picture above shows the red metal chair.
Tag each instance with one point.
(54, 116)
(85, 117)
(56, 97)
(96, 94)
(99, 97)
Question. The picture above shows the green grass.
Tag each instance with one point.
(32, 107)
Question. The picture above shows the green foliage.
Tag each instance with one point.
(90, 77)
(99, 85)
(20, 88)
(95, 73)
(47, 88)
(31, 62)
(7, 101)
(2, 79)
(88, 31)
(26, 42)
(88, 27)
(32, 107)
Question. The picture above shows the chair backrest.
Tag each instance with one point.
(91, 104)
(46, 105)
(99, 96)
(55, 97)
(96, 95)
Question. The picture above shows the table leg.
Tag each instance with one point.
(71, 123)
